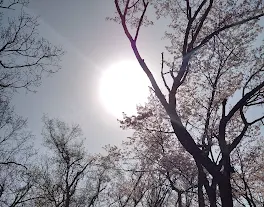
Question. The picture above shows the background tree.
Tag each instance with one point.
(24, 58)
(16, 175)
(68, 176)
(24, 55)
(213, 56)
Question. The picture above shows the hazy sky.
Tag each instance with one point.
(92, 44)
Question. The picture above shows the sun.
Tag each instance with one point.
(122, 86)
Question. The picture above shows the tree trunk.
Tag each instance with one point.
(180, 199)
(212, 194)
(226, 191)
(210, 190)
(200, 186)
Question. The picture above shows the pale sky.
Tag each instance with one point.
(92, 44)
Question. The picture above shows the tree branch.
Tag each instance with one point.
(140, 21)
(162, 73)
(207, 38)
(243, 101)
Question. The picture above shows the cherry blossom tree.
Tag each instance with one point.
(154, 147)
(248, 180)
(213, 79)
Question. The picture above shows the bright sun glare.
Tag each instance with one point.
(122, 87)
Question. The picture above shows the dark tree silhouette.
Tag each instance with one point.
(68, 176)
(16, 175)
(24, 55)
(213, 57)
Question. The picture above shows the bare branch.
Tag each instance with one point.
(129, 7)
(216, 32)
(141, 20)
(14, 163)
(162, 73)
(201, 22)
(238, 139)
(256, 120)
(243, 101)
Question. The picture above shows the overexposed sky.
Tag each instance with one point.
(92, 45)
